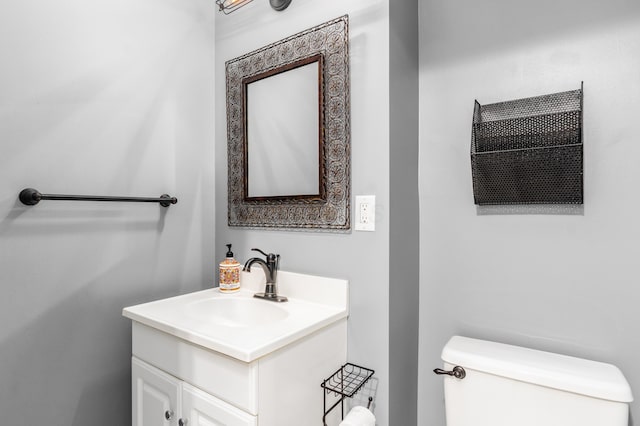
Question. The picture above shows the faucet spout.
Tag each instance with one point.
(267, 271)
(270, 268)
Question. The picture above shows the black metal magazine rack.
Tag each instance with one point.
(344, 383)
(528, 151)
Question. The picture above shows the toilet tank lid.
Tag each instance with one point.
(577, 375)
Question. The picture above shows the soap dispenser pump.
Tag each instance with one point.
(229, 273)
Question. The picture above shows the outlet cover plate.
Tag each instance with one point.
(365, 217)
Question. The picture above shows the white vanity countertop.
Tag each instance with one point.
(244, 327)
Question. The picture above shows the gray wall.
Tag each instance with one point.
(360, 257)
(564, 283)
(404, 217)
(102, 97)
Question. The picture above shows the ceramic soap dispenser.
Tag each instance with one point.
(229, 273)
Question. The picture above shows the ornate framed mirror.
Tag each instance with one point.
(288, 132)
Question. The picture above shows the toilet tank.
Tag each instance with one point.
(509, 385)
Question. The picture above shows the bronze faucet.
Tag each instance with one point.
(270, 268)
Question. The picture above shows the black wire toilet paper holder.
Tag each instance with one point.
(344, 383)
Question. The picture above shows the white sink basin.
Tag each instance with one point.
(235, 312)
(243, 327)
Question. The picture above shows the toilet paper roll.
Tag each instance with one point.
(359, 416)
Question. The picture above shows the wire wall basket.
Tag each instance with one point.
(528, 151)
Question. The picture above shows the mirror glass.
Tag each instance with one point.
(288, 132)
(283, 138)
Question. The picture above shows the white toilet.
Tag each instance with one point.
(506, 385)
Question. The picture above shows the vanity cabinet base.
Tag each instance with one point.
(279, 389)
(161, 399)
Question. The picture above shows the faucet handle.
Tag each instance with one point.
(273, 259)
(258, 250)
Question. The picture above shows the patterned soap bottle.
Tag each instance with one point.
(229, 273)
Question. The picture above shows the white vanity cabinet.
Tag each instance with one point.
(174, 378)
(206, 358)
(160, 399)
(155, 395)
(203, 409)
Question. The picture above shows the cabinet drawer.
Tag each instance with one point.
(233, 381)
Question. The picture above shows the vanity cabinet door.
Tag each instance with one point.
(156, 396)
(201, 409)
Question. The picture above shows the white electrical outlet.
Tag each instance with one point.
(365, 213)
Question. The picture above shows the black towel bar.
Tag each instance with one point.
(31, 197)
